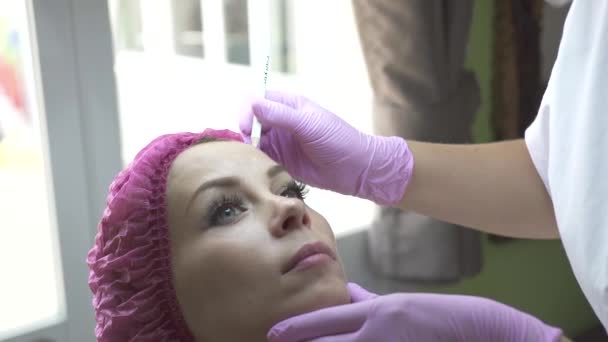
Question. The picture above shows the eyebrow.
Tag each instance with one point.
(230, 182)
(275, 170)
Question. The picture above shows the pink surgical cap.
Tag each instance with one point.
(130, 267)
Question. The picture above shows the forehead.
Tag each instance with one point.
(219, 159)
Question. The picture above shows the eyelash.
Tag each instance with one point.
(236, 201)
(299, 188)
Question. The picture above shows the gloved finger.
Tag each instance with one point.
(275, 114)
(267, 147)
(335, 320)
(348, 337)
(358, 294)
(290, 100)
(246, 139)
(246, 119)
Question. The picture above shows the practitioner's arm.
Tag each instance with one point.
(490, 187)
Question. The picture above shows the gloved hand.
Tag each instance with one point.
(414, 317)
(319, 148)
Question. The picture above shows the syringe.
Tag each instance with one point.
(256, 128)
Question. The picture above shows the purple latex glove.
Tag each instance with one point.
(319, 148)
(414, 317)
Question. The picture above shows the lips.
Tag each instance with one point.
(306, 251)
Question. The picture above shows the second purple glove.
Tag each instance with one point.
(414, 317)
(323, 150)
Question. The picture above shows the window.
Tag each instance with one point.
(282, 33)
(128, 25)
(53, 173)
(237, 31)
(27, 228)
(188, 27)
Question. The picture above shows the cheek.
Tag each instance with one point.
(320, 225)
(218, 271)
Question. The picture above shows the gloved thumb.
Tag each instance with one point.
(341, 319)
(359, 294)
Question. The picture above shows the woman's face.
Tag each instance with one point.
(240, 236)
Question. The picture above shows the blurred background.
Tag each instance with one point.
(85, 84)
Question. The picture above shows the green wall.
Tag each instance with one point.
(533, 276)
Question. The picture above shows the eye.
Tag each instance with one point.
(295, 189)
(226, 211)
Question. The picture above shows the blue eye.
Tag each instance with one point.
(226, 211)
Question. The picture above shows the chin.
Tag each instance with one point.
(322, 293)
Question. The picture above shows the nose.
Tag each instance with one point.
(290, 214)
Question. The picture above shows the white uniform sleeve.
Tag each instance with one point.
(537, 141)
(568, 143)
